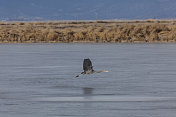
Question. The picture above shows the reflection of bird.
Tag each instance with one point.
(88, 68)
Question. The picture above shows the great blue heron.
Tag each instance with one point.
(88, 68)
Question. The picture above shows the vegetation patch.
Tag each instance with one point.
(144, 31)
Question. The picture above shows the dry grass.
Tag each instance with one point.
(88, 31)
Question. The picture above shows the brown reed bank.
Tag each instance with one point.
(89, 31)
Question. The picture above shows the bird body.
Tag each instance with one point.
(88, 68)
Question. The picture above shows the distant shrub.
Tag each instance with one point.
(100, 31)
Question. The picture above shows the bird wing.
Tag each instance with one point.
(87, 65)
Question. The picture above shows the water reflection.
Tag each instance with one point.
(87, 93)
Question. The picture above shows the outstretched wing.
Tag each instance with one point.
(87, 65)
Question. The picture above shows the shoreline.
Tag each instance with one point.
(105, 31)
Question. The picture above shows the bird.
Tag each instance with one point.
(88, 68)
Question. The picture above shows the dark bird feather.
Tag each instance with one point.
(87, 65)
